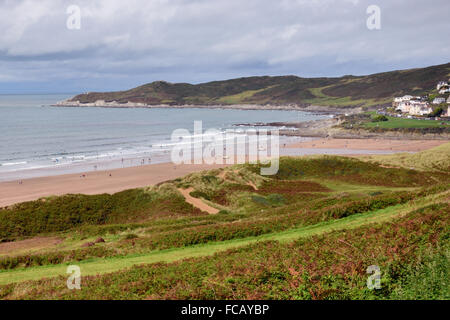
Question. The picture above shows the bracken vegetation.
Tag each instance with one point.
(348, 214)
(331, 266)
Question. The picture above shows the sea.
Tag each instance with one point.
(38, 139)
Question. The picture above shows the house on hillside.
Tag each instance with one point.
(404, 98)
(444, 89)
(399, 100)
(403, 106)
(438, 100)
(441, 84)
(420, 109)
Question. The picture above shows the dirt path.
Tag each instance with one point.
(198, 203)
(29, 244)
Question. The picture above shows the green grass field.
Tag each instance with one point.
(394, 123)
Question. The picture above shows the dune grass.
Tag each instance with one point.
(435, 159)
(107, 265)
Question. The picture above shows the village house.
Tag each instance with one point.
(438, 100)
(404, 98)
(441, 84)
(420, 109)
(444, 89)
(404, 106)
(399, 100)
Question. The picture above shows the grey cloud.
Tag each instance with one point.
(126, 43)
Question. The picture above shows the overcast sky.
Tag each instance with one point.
(122, 44)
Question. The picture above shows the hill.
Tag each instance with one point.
(370, 90)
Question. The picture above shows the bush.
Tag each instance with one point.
(379, 118)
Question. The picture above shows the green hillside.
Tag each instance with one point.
(368, 90)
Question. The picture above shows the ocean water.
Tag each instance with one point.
(37, 139)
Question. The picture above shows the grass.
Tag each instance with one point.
(310, 198)
(101, 266)
(329, 265)
(323, 99)
(436, 159)
(241, 97)
(399, 123)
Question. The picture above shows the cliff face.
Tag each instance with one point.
(368, 90)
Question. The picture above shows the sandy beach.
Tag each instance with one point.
(116, 180)
(94, 182)
(370, 144)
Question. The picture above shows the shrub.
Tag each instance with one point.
(379, 118)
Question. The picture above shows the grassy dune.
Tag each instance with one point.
(311, 198)
(205, 278)
(102, 266)
(436, 159)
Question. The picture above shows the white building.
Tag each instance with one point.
(438, 100)
(404, 106)
(441, 84)
(99, 103)
(420, 109)
(404, 98)
(444, 89)
(398, 101)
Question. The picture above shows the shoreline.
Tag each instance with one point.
(327, 110)
(116, 180)
(328, 128)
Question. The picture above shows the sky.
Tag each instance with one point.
(47, 47)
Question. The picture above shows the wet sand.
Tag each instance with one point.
(134, 177)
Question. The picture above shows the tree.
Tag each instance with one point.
(437, 112)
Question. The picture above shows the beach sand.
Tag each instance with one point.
(134, 177)
(94, 182)
(369, 144)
